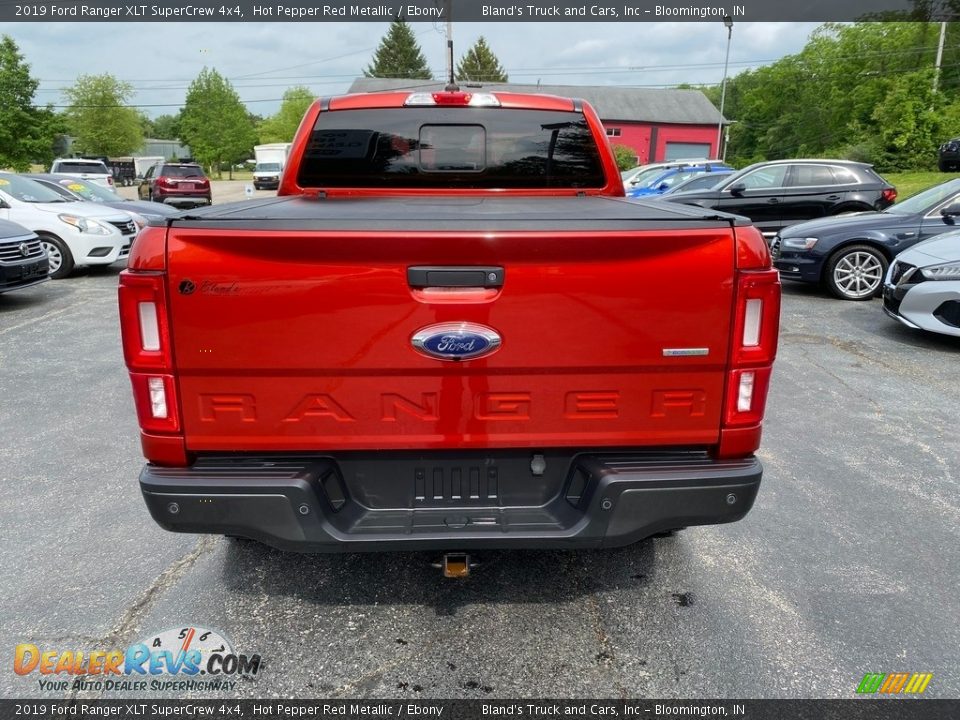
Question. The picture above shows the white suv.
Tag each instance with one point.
(73, 233)
(90, 170)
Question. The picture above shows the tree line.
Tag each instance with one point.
(213, 122)
(863, 91)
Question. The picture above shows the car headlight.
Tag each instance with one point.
(947, 271)
(92, 227)
(139, 220)
(797, 243)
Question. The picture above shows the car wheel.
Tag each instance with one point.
(61, 260)
(943, 166)
(856, 272)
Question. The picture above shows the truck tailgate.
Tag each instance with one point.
(294, 332)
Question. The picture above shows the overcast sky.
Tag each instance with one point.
(263, 59)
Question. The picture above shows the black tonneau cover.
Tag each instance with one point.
(435, 213)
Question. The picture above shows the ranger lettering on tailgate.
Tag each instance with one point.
(450, 331)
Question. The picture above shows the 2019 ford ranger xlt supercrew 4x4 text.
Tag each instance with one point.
(449, 331)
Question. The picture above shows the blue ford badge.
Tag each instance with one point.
(456, 341)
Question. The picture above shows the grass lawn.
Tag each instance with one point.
(910, 183)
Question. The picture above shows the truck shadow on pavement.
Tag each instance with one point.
(515, 576)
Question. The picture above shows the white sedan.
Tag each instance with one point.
(74, 234)
(922, 286)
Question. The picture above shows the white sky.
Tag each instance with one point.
(263, 59)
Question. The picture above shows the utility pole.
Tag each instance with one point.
(728, 23)
(936, 70)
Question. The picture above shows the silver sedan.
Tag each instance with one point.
(922, 285)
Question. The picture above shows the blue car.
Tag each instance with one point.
(663, 181)
(850, 253)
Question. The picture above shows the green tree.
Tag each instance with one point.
(214, 123)
(166, 127)
(861, 90)
(625, 156)
(27, 134)
(98, 116)
(282, 126)
(480, 64)
(399, 55)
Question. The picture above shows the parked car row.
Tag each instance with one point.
(71, 217)
(836, 223)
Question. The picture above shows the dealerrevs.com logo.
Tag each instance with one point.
(180, 659)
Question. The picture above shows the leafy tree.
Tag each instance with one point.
(625, 156)
(99, 118)
(282, 126)
(480, 64)
(861, 90)
(166, 127)
(399, 55)
(214, 123)
(26, 134)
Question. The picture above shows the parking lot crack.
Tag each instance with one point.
(122, 632)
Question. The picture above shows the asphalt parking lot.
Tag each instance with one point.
(849, 562)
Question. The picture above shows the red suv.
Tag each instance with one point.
(181, 184)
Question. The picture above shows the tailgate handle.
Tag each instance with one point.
(454, 277)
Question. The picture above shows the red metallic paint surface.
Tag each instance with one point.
(302, 341)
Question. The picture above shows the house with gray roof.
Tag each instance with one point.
(658, 124)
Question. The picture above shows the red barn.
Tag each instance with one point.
(658, 124)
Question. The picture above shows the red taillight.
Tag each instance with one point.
(143, 321)
(145, 328)
(163, 181)
(889, 195)
(110, 181)
(451, 98)
(756, 327)
(155, 396)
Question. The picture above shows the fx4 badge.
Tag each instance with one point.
(456, 341)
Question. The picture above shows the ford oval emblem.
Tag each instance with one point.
(456, 341)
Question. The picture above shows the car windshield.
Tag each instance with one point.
(703, 182)
(644, 176)
(89, 191)
(925, 201)
(96, 168)
(181, 171)
(29, 191)
(268, 167)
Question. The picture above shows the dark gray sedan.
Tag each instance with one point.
(850, 254)
(23, 261)
(73, 188)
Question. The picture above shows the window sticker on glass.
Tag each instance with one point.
(453, 148)
(4, 182)
(341, 144)
(76, 186)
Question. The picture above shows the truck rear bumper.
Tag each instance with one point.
(444, 501)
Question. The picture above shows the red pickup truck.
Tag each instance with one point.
(450, 331)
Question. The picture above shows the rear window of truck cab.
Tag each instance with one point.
(446, 147)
